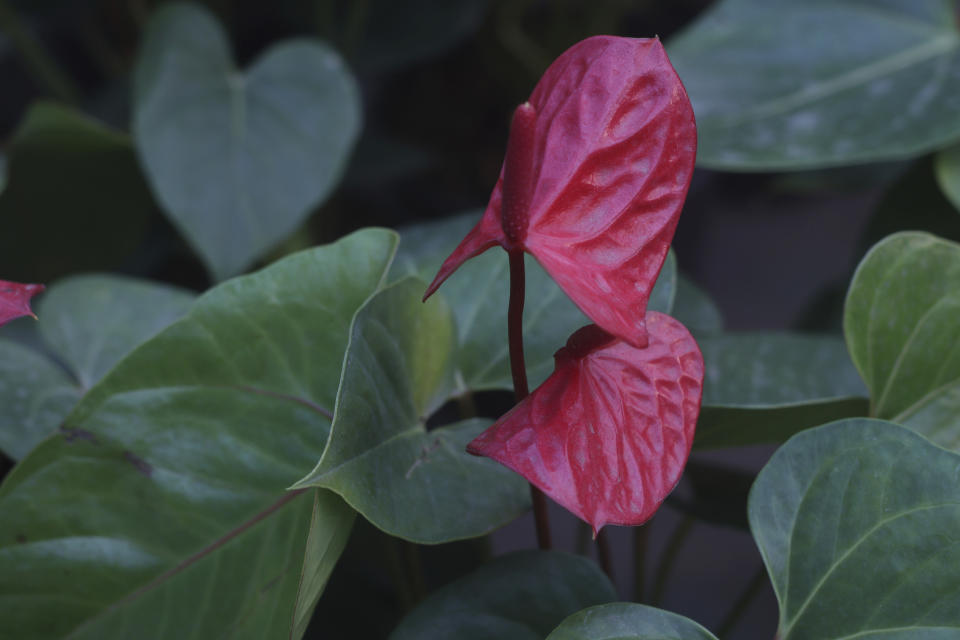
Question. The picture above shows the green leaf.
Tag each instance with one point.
(783, 84)
(518, 596)
(628, 621)
(328, 536)
(238, 160)
(937, 416)
(165, 490)
(92, 321)
(416, 484)
(75, 199)
(87, 324)
(694, 308)
(947, 167)
(857, 523)
(901, 323)
(478, 294)
(35, 395)
(764, 387)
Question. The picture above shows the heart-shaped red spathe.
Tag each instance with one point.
(608, 434)
(610, 138)
(15, 299)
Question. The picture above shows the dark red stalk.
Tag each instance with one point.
(519, 371)
(517, 178)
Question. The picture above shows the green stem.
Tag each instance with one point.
(670, 555)
(582, 541)
(641, 535)
(411, 554)
(403, 560)
(751, 591)
(37, 59)
(603, 553)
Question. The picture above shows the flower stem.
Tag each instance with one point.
(640, 538)
(670, 555)
(751, 591)
(519, 371)
(603, 553)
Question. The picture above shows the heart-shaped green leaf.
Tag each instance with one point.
(857, 523)
(628, 621)
(764, 387)
(87, 324)
(166, 488)
(478, 296)
(782, 85)
(238, 159)
(416, 484)
(947, 166)
(75, 199)
(519, 596)
(901, 323)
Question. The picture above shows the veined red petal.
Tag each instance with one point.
(608, 434)
(15, 299)
(614, 146)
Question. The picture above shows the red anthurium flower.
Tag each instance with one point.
(609, 432)
(15, 300)
(596, 171)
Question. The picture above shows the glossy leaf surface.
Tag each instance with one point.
(782, 84)
(628, 621)
(764, 387)
(92, 321)
(947, 167)
(166, 488)
(901, 323)
(15, 299)
(35, 395)
(518, 596)
(87, 324)
(612, 149)
(857, 523)
(238, 159)
(478, 297)
(381, 459)
(72, 174)
(607, 435)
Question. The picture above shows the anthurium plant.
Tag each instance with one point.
(334, 430)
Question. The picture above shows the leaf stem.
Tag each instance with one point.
(603, 553)
(751, 591)
(640, 536)
(518, 370)
(670, 555)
